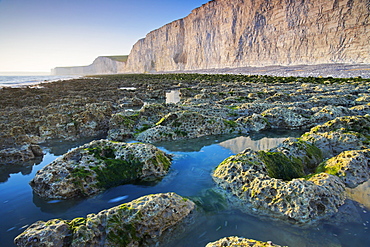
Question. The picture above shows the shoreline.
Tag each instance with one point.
(319, 70)
(303, 70)
(37, 82)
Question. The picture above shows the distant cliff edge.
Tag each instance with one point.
(240, 33)
(101, 65)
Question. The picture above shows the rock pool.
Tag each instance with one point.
(189, 176)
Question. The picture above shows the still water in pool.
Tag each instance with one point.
(189, 176)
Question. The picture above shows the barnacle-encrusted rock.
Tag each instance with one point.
(187, 125)
(352, 167)
(237, 241)
(269, 183)
(329, 112)
(20, 154)
(282, 117)
(17, 146)
(91, 120)
(148, 220)
(340, 134)
(98, 165)
(255, 122)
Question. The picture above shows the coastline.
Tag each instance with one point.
(318, 70)
(19, 81)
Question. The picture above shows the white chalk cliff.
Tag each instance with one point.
(101, 65)
(239, 33)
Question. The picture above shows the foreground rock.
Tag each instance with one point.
(248, 176)
(288, 183)
(352, 167)
(340, 134)
(148, 220)
(237, 241)
(98, 165)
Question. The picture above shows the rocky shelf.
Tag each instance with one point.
(302, 181)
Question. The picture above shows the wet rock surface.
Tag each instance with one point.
(237, 241)
(290, 182)
(298, 200)
(340, 134)
(98, 165)
(268, 183)
(146, 221)
(352, 167)
(102, 106)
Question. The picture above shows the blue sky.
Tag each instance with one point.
(37, 35)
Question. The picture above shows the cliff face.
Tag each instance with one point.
(237, 33)
(101, 65)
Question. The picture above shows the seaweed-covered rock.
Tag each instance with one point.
(187, 125)
(237, 241)
(148, 220)
(360, 109)
(98, 165)
(328, 113)
(122, 125)
(256, 179)
(352, 167)
(340, 134)
(300, 152)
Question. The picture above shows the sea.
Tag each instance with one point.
(29, 80)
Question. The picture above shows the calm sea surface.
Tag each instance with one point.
(18, 81)
(190, 176)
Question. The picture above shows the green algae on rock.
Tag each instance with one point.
(98, 165)
(122, 125)
(238, 241)
(290, 182)
(148, 220)
(340, 134)
(352, 167)
(247, 179)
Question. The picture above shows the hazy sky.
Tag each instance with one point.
(38, 35)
